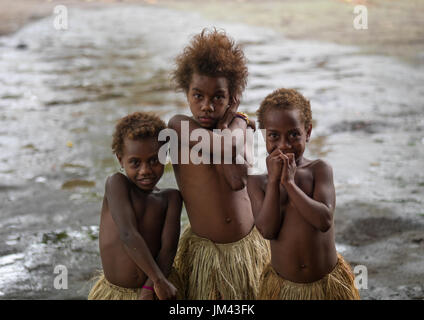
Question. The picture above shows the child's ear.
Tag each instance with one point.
(308, 132)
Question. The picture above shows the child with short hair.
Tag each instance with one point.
(293, 207)
(221, 255)
(140, 224)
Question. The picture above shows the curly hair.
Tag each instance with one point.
(214, 54)
(286, 99)
(135, 126)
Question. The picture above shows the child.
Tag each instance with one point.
(140, 224)
(293, 207)
(221, 255)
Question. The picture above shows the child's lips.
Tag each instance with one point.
(205, 119)
(146, 181)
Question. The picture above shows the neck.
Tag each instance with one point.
(300, 161)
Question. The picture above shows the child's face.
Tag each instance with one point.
(141, 163)
(208, 98)
(286, 131)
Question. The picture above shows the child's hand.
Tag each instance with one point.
(252, 124)
(165, 290)
(228, 116)
(146, 294)
(289, 168)
(274, 164)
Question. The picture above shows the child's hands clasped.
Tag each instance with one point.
(289, 168)
(274, 164)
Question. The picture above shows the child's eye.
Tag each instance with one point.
(154, 161)
(272, 135)
(219, 97)
(197, 96)
(134, 162)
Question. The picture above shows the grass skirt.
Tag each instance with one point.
(229, 271)
(104, 290)
(337, 285)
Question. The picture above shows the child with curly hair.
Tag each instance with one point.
(221, 255)
(139, 224)
(293, 207)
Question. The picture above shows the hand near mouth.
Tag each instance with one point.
(274, 165)
(289, 168)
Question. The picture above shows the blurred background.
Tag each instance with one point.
(63, 86)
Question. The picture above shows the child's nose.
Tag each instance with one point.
(145, 169)
(207, 106)
(284, 144)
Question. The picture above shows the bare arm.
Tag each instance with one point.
(319, 209)
(170, 233)
(117, 194)
(266, 205)
(169, 239)
(236, 174)
(184, 126)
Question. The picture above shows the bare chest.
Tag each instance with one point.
(150, 215)
(304, 179)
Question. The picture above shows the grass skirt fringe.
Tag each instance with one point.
(229, 271)
(104, 290)
(337, 285)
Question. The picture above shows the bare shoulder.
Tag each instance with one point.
(175, 121)
(172, 196)
(321, 168)
(320, 165)
(117, 185)
(117, 179)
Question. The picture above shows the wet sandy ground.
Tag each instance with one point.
(395, 27)
(61, 93)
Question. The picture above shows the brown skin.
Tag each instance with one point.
(215, 196)
(140, 224)
(294, 203)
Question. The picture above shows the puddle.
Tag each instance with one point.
(78, 184)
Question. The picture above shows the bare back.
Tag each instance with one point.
(150, 213)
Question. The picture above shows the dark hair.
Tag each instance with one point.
(287, 99)
(135, 126)
(212, 53)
